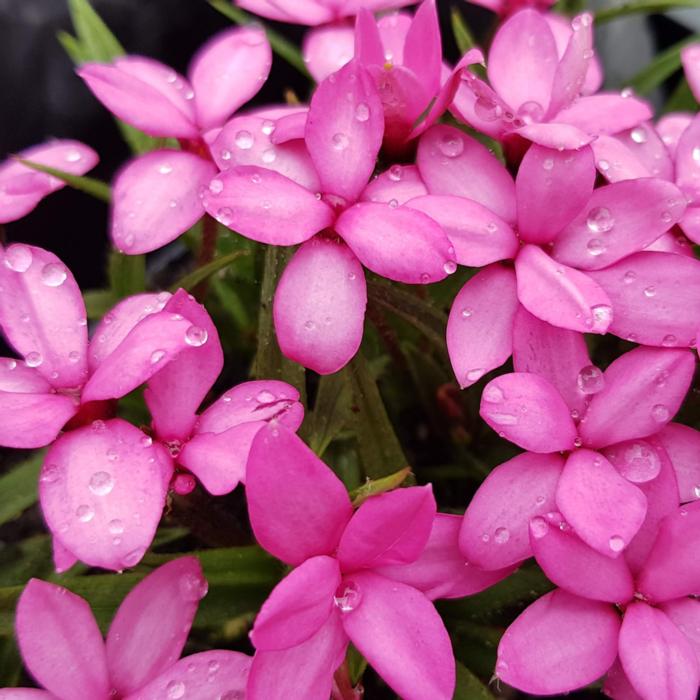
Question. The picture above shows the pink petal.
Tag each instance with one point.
(412, 653)
(203, 676)
(656, 297)
(266, 206)
(25, 694)
(156, 198)
(551, 188)
(308, 12)
(393, 28)
(422, 51)
(227, 71)
(574, 566)
(63, 560)
(22, 188)
(143, 93)
(42, 314)
(690, 58)
(441, 570)
(305, 670)
(367, 42)
(643, 390)
(60, 642)
(29, 420)
(298, 606)
(687, 168)
(400, 183)
(477, 234)
(344, 130)
(150, 345)
(554, 353)
(605, 509)
(672, 569)
(307, 516)
(616, 161)
(95, 481)
(619, 220)
(479, 332)
(494, 533)
(559, 643)
(559, 294)
(657, 658)
(327, 49)
(319, 305)
(527, 410)
(690, 223)
(685, 614)
(555, 136)
(673, 241)
(150, 628)
(290, 125)
(522, 61)
(450, 162)
(648, 147)
(683, 447)
(476, 103)
(670, 128)
(605, 113)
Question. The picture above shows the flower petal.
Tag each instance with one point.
(670, 128)
(102, 491)
(605, 509)
(479, 332)
(555, 136)
(25, 694)
(527, 410)
(307, 516)
(156, 198)
(227, 71)
(643, 390)
(682, 444)
(690, 58)
(412, 653)
(298, 606)
(344, 130)
(42, 314)
(494, 533)
(150, 628)
(559, 643)
(422, 51)
(605, 113)
(616, 161)
(60, 642)
(326, 49)
(559, 294)
(685, 614)
(400, 183)
(29, 420)
(319, 305)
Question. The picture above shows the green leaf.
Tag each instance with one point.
(681, 99)
(10, 663)
(72, 47)
(95, 188)
(282, 47)
(637, 6)
(205, 271)
(331, 413)
(664, 65)
(19, 488)
(374, 486)
(461, 31)
(379, 448)
(469, 687)
(98, 302)
(269, 361)
(127, 274)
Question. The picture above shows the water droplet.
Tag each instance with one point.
(425, 278)
(340, 141)
(600, 220)
(269, 155)
(474, 375)
(501, 536)
(578, 442)
(172, 203)
(603, 165)
(193, 587)
(616, 543)
(101, 483)
(132, 558)
(146, 441)
(265, 397)
(660, 413)
(255, 179)
(213, 667)
(638, 462)
(33, 359)
(696, 154)
(630, 276)
(73, 156)
(393, 203)
(267, 127)
(451, 145)
(175, 690)
(669, 341)
(548, 163)
(539, 527)
(165, 169)
(157, 356)
(639, 134)
(216, 186)
(531, 112)
(487, 109)
(649, 292)
(225, 154)
(244, 140)
(115, 527)
(184, 484)
(362, 112)
(467, 312)
(450, 267)
(602, 313)
(395, 173)
(626, 92)
(666, 217)
(503, 418)
(590, 380)
(10, 364)
(18, 257)
(224, 215)
(493, 394)
(196, 336)
(112, 455)
(347, 596)
(596, 247)
(85, 513)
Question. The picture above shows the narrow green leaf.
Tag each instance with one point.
(10, 663)
(664, 65)
(72, 47)
(95, 188)
(469, 687)
(269, 361)
(98, 302)
(192, 279)
(374, 486)
(331, 413)
(461, 31)
(19, 487)
(379, 448)
(94, 35)
(127, 274)
(282, 47)
(637, 6)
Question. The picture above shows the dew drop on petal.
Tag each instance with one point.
(596, 247)
(395, 173)
(146, 441)
(669, 341)
(53, 274)
(450, 267)
(639, 134)
(33, 359)
(493, 394)
(175, 690)
(340, 141)
(501, 536)
(660, 413)
(18, 257)
(467, 313)
(157, 356)
(224, 215)
(487, 109)
(193, 587)
(347, 596)
(85, 513)
(503, 418)
(616, 543)
(451, 145)
(243, 140)
(639, 463)
(548, 163)
(216, 186)
(539, 527)
(600, 220)
(650, 292)
(265, 397)
(362, 112)
(696, 154)
(603, 165)
(101, 483)
(475, 374)
(590, 380)
(165, 169)
(267, 127)
(629, 277)
(73, 156)
(115, 527)
(196, 336)
(225, 154)
(112, 455)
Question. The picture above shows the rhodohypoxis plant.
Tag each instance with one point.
(63, 649)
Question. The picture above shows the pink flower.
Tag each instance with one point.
(63, 649)
(320, 301)
(22, 188)
(356, 575)
(538, 79)
(508, 7)
(156, 197)
(573, 635)
(616, 481)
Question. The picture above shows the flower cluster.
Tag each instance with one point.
(576, 214)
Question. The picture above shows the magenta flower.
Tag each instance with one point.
(63, 649)
(320, 301)
(22, 188)
(573, 635)
(508, 7)
(537, 88)
(612, 487)
(156, 197)
(355, 576)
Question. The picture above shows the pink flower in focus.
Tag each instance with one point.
(355, 576)
(63, 649)
(22, 188)
(320, 301)
(156, 196)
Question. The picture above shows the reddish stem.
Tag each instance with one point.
(207, 250)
